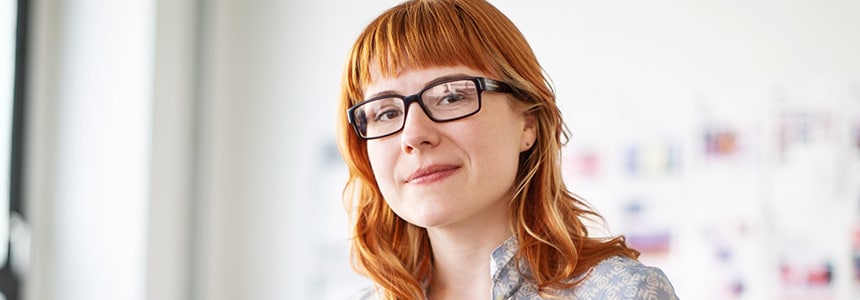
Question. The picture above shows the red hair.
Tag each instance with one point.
(546, 217)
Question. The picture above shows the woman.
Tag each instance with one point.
(452, 138)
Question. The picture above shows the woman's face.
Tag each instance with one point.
(458, 172)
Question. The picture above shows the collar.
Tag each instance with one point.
(502, 256)
(503, 270)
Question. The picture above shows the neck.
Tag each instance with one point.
(461, 258)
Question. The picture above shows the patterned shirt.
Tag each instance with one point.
(616, 277)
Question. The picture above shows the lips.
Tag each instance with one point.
(431, 173)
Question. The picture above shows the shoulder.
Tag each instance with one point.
(620, 277)
(368, 293)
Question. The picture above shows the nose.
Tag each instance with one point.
(419, 131)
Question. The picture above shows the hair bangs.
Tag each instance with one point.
(420, 35)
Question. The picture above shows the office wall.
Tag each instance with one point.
(87, 152)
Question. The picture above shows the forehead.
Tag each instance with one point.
(412, 80)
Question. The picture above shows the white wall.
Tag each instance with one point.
(88, 148)
(174, 232)
(217, 118)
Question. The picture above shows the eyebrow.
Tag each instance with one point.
(429, 83)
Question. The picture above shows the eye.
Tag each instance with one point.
(451, 99)
(387, 114)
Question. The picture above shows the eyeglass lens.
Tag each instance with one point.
(441, 102)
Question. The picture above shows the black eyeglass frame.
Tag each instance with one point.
(481, 84)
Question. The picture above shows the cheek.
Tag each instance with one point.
(501, 135)
(497, 144)
(382, 164)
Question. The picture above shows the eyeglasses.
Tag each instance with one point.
(442, 101)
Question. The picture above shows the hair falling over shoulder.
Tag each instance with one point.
(547, 218)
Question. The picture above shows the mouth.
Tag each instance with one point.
(431, 174)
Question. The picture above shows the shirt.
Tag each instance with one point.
(616, 277)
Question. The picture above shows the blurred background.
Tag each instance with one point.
(185, 149)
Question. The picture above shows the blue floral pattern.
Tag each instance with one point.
(616, 277)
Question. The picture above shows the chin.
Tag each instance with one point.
(429, 220)
(426, 212)
(424, 222)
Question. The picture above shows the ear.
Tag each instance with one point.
(527, 139)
